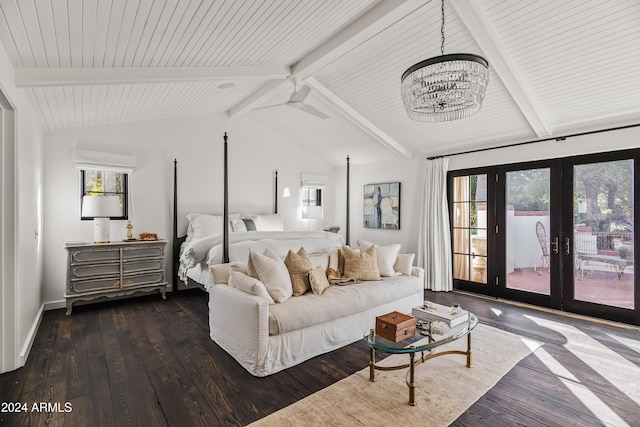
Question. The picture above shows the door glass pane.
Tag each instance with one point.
(527, 230)
(470, 228)
(603, 233)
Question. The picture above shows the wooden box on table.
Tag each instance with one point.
(395, 326)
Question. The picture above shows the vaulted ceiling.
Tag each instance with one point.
(556, 66)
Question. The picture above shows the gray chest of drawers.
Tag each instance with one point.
(115, 269)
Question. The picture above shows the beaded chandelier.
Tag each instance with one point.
(446, 87)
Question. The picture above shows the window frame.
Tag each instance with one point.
(124, 193)
(307, 191)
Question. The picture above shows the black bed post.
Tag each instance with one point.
(348, 191)
(176, 246)
(275, 205)
(225, 208)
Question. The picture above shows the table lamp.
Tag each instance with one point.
(101, 208)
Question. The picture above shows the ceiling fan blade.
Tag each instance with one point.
(264, 107)
(313, 110)
(301, 94)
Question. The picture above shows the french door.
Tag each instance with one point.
(557, 233)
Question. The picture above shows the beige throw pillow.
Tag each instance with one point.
(274, 274)
(251, 271)
(361, 265)
(249, 285)
(299, 267)
(404, 264)
(386, 256)
(318, 280)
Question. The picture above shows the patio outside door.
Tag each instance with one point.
(557, 233)
(530, 234)
(601, 245)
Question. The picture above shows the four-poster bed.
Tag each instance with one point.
(214, 239)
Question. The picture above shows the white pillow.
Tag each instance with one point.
(404, 264)
(386, 256)
(273, 222)
(274, 274)
(249, 285)
(204, 225)
(320, 259)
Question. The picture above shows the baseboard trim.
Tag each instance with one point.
(54, 305)
(552, 310)
(31, 337)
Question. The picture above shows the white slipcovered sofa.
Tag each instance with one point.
(266, 338)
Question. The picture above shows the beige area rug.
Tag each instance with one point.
(445, 387)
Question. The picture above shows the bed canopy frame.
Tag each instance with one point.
(179, 240)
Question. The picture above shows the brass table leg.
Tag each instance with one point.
(412, 379)
(372, 365)
(469, 350)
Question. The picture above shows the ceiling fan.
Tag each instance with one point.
(296, 100)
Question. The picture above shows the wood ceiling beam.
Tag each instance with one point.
(477, 23)
(372, 22)
(375, 20)
(356, 118)
(43, 77)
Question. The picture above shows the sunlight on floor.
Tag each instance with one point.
(614, 368)
(595, 405)
(632, 344)
(496, 311)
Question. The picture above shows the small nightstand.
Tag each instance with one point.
(114, 269)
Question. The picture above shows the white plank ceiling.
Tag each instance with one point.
(557, 66)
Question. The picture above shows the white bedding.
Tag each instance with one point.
(200, 274)
(208, 250)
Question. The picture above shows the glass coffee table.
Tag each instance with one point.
(426, 340)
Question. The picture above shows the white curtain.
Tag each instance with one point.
(434, 243)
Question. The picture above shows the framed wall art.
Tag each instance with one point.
(382, 206)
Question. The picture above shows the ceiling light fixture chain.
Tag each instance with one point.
(445, 87)
(442, 30)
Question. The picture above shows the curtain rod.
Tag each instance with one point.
(554, 138)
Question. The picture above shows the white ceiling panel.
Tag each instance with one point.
(77, 106)
(557, 66)
(332, 139)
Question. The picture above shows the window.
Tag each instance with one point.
(97, 182)
(311, 203)
(311, 196)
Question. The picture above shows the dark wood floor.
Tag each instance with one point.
(149, 362)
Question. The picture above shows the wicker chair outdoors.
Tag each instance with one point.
(541, 233)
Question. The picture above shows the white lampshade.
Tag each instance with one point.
(101, 208)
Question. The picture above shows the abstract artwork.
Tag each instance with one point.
(382, 206)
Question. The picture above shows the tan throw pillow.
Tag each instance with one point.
(249, 285)
(318, 280)
(361, 265)
(385, 255)
(299, 267)
(274, 274)
(336, 264)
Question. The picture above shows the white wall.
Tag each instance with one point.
(586, 144)
(197, 143)
(410, 174)
(21, 291)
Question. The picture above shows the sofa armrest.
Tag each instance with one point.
(220, 273)
(419, 273)
(239, 323)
